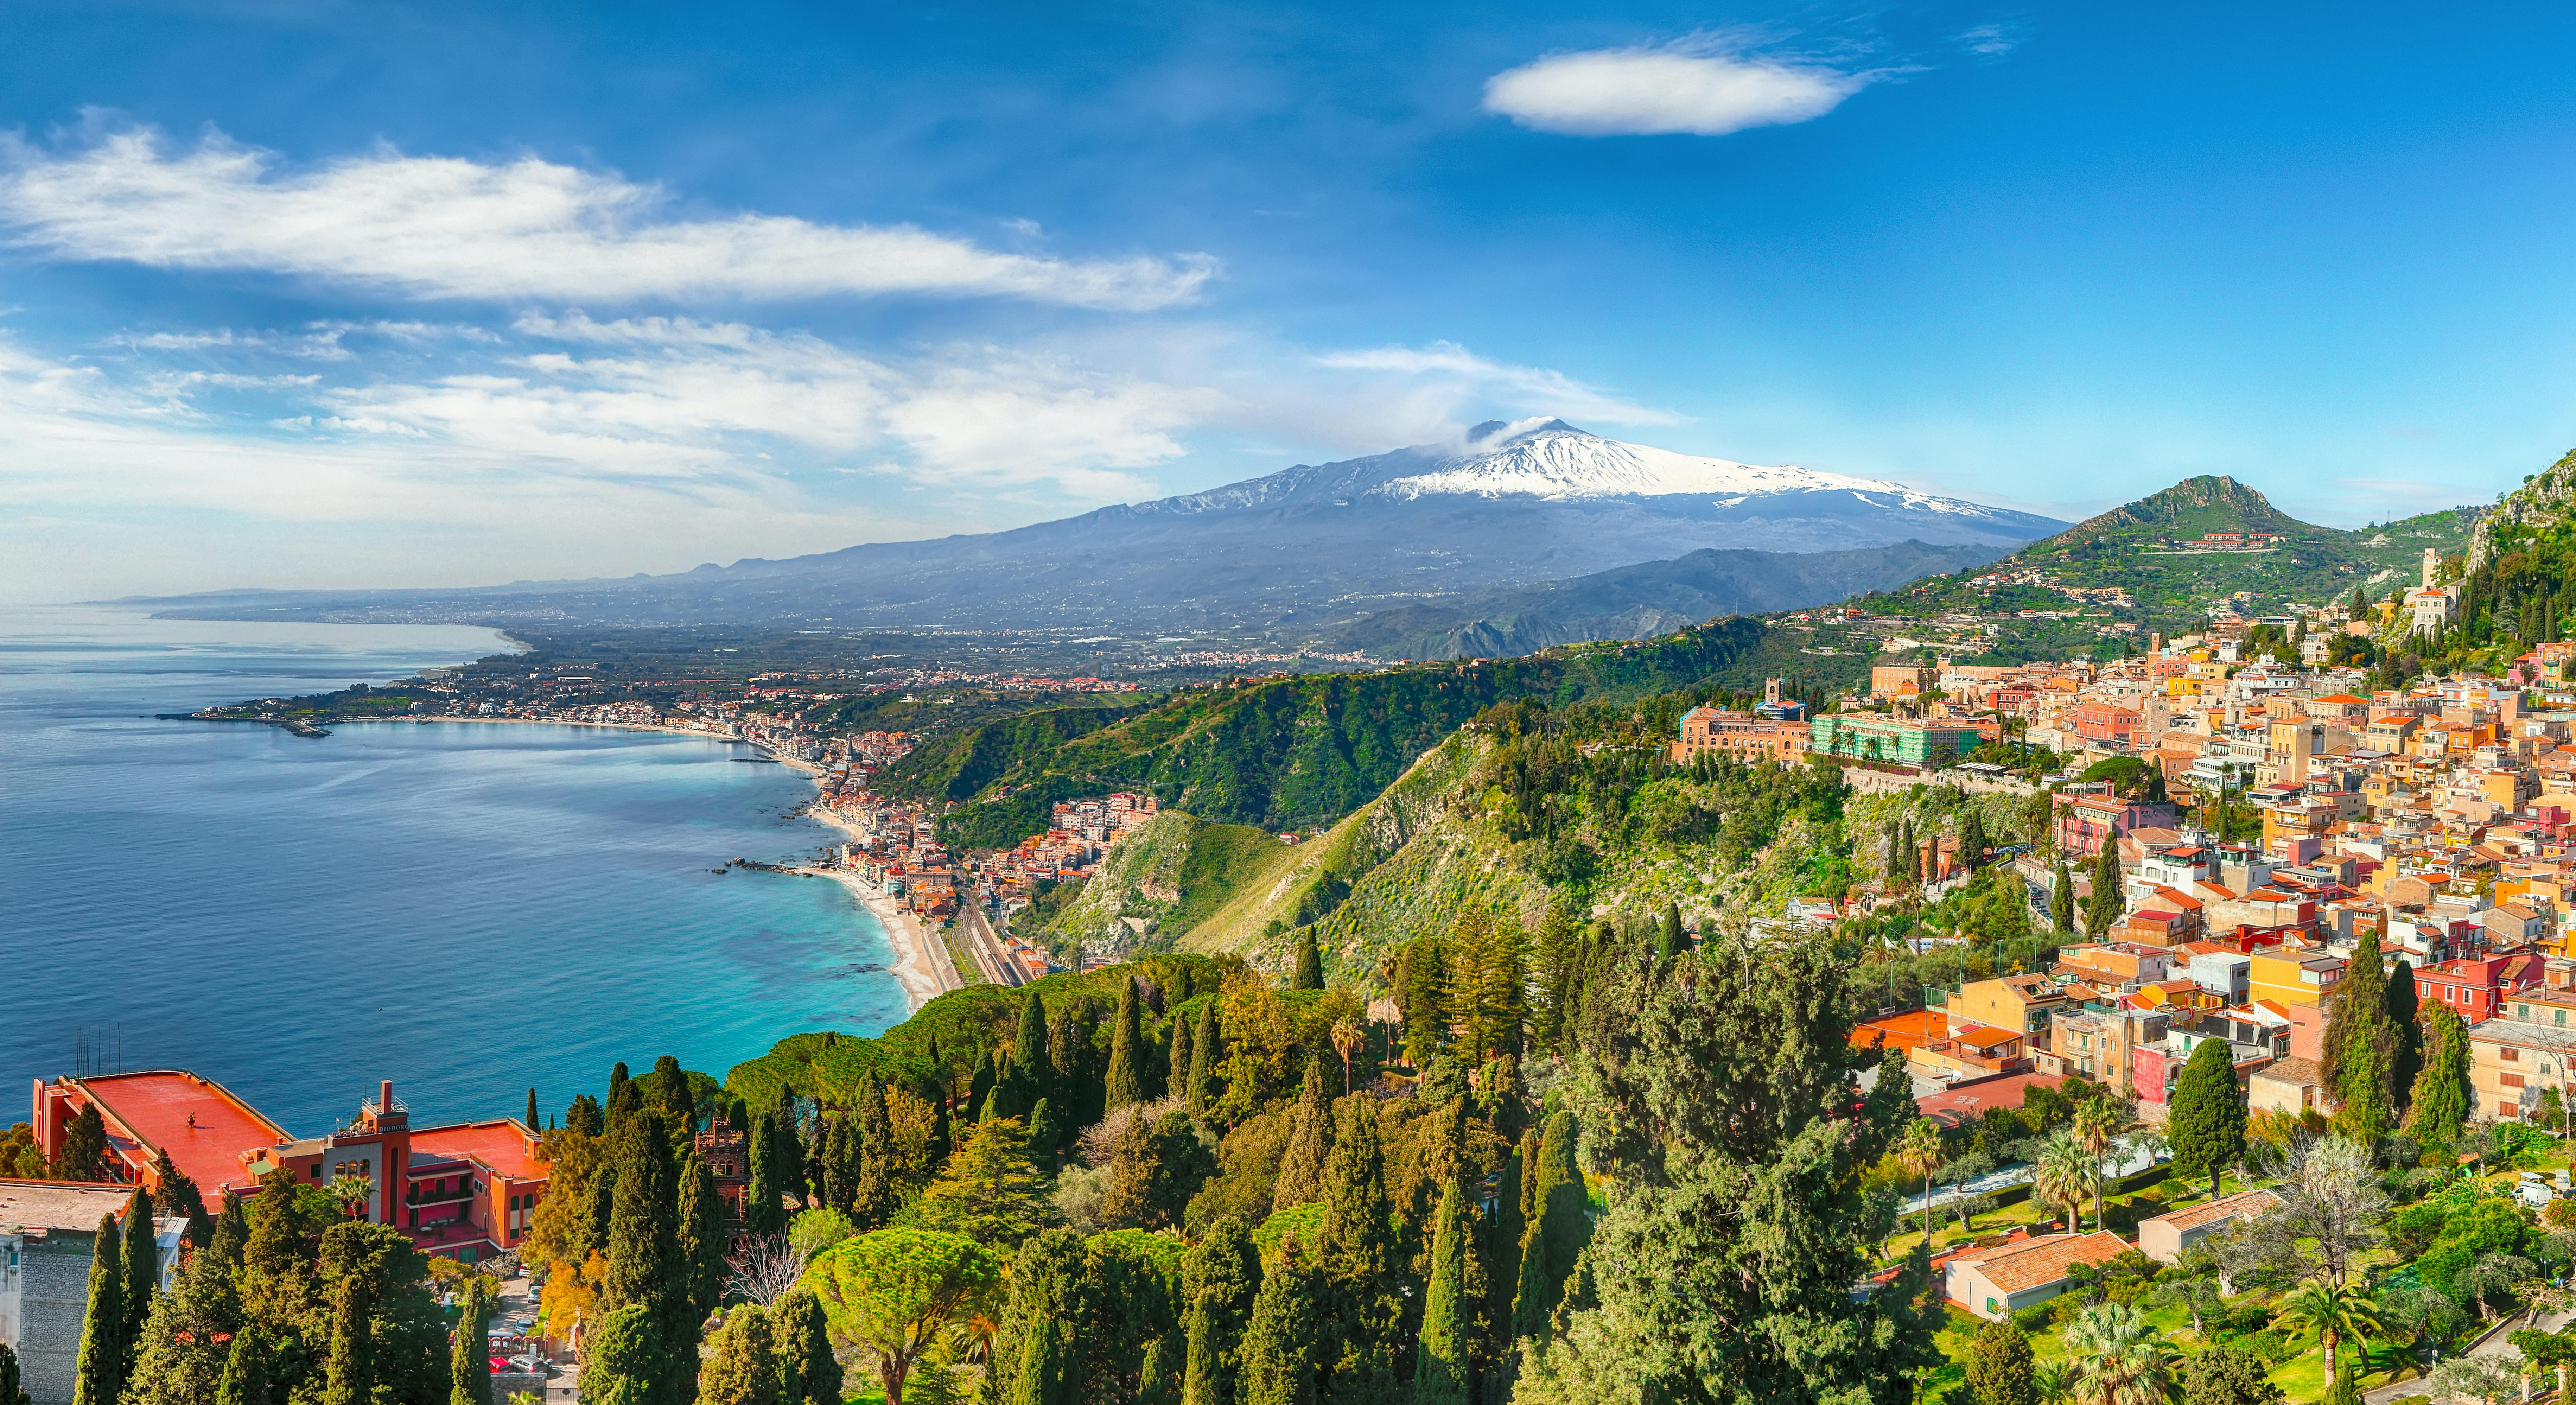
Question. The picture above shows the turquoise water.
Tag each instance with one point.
(467, 909)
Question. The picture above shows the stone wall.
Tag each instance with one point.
(53, 1297)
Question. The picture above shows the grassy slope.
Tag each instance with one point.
(1174, 871)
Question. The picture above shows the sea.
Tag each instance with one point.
(469, 909)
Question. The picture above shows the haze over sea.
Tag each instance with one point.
(467, 909)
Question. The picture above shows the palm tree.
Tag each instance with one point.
(1346, 1041)
(2062, 1176)
(2096, 1122)
(2054, 1381)
(2119, 1359)
(1920, 1153)
(2336, 1309)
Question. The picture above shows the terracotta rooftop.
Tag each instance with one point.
(2244, 1204)
(2044, 1260)
(199, 1122)
(1964, 1102)
(2296, 1072)
(499, 1146)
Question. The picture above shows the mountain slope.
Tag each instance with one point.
(1293, 554)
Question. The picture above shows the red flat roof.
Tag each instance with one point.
(158, 1107)
(498, 1146)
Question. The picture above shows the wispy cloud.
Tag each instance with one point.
(1990, 41)
(1703, 86)
(526, 230)
(1533, 389)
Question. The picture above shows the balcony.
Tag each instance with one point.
(422, 1195)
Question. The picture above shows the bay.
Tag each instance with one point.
(469, 909)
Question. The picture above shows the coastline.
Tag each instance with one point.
(922, 965)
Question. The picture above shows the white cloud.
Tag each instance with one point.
(1688, 87)
(1526, 388)
(445, 227)
(1988, 41)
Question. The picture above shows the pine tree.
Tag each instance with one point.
(1442, 1360)
(1310, 962)
(1126, 1052)
(2206, 1126)
(142, 1254)
(2001, 1368)
(84, 1148)
(2407, 1061)
(1279, 1366)
(469, 1362)
(584, 1116)
(1221, 1278)
(351, 1378)
(2061, 901)
(100, 1374)
(1301, 1166)
(701, 1242)
(2440, 1105)
(1205, 1053)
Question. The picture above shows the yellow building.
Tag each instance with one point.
(2292, 977)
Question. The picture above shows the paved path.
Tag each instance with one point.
(2493, 1343)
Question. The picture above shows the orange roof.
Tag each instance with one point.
(2036, 1262)
(2247, 1204)
(501, 1147)
(157, 1108)
(1984, 1036)
(1911, 1030)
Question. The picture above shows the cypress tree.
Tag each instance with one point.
(84, 1147)
(1045, 1133)
(1279, 1366)
(602, 1209)
(180, 1196)
(787, 1155)
(1179, 1058)
(1028, 1068)
(1674, 940)
(232, 1230)
(2206, 1127)
(532, 1124)
(620, 1099)
(2398, 1000)
(1301, 1166)
(2361, 1046)
(1561, 1228)
(100, 1374)
(1310, 962)
(979, 1088)
(642, 1239)
(2106, 904)
(2061, 900)
(1126, 1082)
(585, 1117)
(1358, 1254)
(350, 1376)
(761, 1212)
(875, 1192)
(801, 1333)
(142, 1255)
(1442, 1363)
(624, 1361)
(13, 1390)
(469, 1363)
(1498, 1254)
(1221, 1277)
(1204, 1054)
(1036, 1359)
(942, 1137)
(249, 1377)
(2441, 1093)
(701, 1244)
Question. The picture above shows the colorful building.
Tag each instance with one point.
(1868, 737)
(467, 1190)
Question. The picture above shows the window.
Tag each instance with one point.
(2510, 1080)
(2509, 1054)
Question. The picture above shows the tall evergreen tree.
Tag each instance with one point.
(644, 1268)
(2061, 900)
(84, 1148)
(1689, 1253)
(179, 1196)
(1279, 1366)
(2407, 1060)
(620, 1098)
(142, 1255)
(1310, 962)
(249, 1371)
(876, 1192)
(1029, 1068)
(350, 1377)
(2441, 1094)
(1301, 1165)
(1673, 941)
(1036, 1360)
(2206, 1126)
(762, 1208)
(623, 1360)
(701, 1243)
(532, 1124)
(801, 1333)
(1442, 1360)
(1126, 1052)
(1221, 1278)
(2001, 1368)
(979, 1087)
(469, 1363)
(1557, 1232)
(1179, 1057)
(585, 1116)
(2106, 904)
(99, 1375)
(1205, 1052)
(1046, 1132)
(788, 1157)
(13, 1389)
(1498, 1251)
(1359, 1256)
(602, 1209)
(232, 1231)
(2361, 1047)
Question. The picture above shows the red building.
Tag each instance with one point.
(2084, 822)
(2102, 722)
(2477, 989)
(467, 1190)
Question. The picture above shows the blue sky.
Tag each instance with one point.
(310, 293)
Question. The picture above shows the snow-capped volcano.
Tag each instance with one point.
(1553, 459)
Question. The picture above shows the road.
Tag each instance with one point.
(996, 963)
(2492, 1344)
